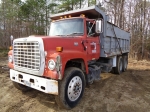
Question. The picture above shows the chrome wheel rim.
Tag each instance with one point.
(74, 88)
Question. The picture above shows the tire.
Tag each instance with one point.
(125, 63)
(21, 87)
(112, 70)
(119, 66)
(71, 88)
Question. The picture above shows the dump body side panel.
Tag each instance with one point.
(116, 41)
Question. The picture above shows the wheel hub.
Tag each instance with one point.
(74, 88)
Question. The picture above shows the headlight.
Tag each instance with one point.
(51, 64)
(10, 59)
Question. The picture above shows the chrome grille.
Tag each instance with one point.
(27, 55)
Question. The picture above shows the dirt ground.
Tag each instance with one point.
(128, 92)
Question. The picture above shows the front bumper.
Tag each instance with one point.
(42, 84)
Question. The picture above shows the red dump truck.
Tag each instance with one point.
(81, 44)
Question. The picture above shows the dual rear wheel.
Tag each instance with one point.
(121, 66)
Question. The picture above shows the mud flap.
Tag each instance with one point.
(94, 74)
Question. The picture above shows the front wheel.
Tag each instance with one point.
(71, 88)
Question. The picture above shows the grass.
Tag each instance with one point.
(4, 52)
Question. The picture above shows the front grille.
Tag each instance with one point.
(27, 55)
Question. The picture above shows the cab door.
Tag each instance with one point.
(93, 42)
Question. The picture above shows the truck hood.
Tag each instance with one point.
(68, 43)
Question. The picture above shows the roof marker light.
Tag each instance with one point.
(82, 15)
(69, 16)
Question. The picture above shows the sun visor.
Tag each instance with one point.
(89, 12)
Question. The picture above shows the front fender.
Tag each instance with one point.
(67, 56)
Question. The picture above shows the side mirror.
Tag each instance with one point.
(99, 26)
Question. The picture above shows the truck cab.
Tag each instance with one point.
(72, 55)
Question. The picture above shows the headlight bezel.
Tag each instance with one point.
(51, 64)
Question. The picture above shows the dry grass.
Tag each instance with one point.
(139, 65)
(4, 52)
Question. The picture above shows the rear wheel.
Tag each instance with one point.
(119, 66)
(125, 63)
(71, 88)
(21, 87)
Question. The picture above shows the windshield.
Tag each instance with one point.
(67, 27)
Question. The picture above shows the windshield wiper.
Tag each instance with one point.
(75, 33)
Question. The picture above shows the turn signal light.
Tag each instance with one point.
(59, 49)
(10, 48)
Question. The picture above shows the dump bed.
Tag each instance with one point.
(113, 40)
